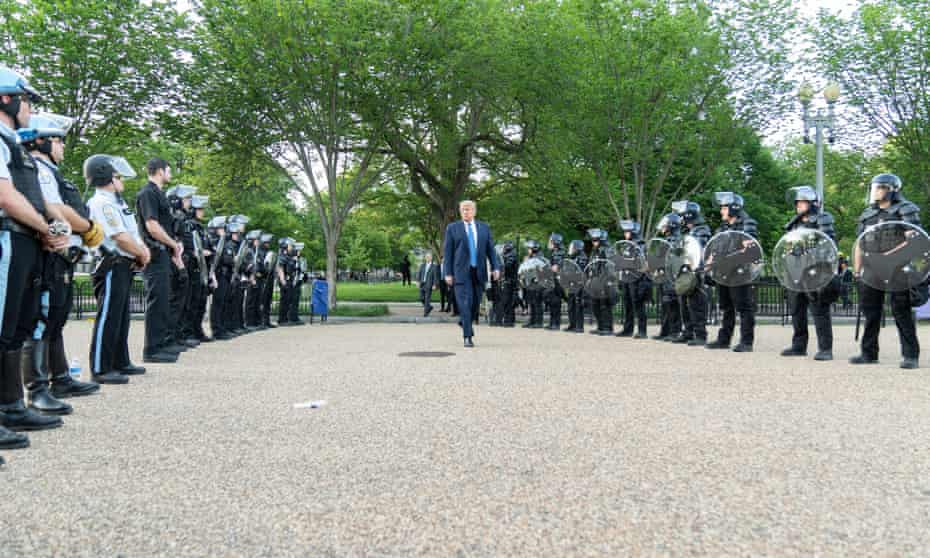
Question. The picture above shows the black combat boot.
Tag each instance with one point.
(13, 411)
(63, 385)
(34, 368)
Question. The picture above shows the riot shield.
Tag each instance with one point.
(240, 256)
(271, 259)
(536, 274)
(893, 256)
(629, 260)
(201, 260)
(733, 258)
(571, 277)
(656, 254)
(805, 260)
(686, 254)
(217, 254)
(601, 278)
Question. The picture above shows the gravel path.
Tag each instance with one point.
(535, 443)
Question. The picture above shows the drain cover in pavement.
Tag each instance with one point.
(426, 354)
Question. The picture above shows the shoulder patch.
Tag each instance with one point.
(110, 215)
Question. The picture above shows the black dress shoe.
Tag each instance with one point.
(222, 336)
(909, 363)
(66, 386)
(658, 337)
(862, 359)
(132, 370)
(742, 348)
(681, 339)
(12, 440)
(794, 351)
(205, 339)
(824, 355)
(172, 348)
(42, 401)
(111, 377)
(163, 358)
(718, 344)
(697, 342)
(270, 325)
(427, 311)
(625, 334)
(469, 344)
(640, 336)
(16, 416)
(191, 342)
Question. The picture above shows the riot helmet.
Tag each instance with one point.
(15, 85)
(733, 202)
(177, 194)
(803, 194)
(555, 240)
(630, 226)
(199, 201)
(254, 234)
(884, 187)
(45, 126)
(689, 211)
(267, 238)
(100, 169)
(533, 246)
(669, 225)
(575, 247)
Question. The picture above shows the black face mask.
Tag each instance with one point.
(11, 109)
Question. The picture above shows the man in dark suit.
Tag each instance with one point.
(469, 248)
(428, 281)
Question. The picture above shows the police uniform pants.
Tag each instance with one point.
(735, 300)
(694, 314)
(59, 273)
(799, 303)
(871, 301)
(109, 347)
(190, 325)
(535, 301)
(555, 306)
(157, 275)
(603, 313)
(180, 299)
(233, 298)
(507, 303)
(217, 323)
(293, 309)
(634, 309)
(267, 299)
(253, 305)
(671, 317)
(284, 301)
(20, 269)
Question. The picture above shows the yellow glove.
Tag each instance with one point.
(92, 236)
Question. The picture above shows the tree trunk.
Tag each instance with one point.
(331, 267)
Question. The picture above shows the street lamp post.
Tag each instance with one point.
(820, 120)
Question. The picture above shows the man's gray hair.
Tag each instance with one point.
(467, 202)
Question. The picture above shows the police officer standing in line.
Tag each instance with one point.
(601, 307)
(534, 297)
(509, 282)
(694, 304)
(577, 254)
(809, 215)
(232, 306)
(669, 227)
(253, 285)
(300, 265)
(221, 267)
(24, 229)
(887, 204)
(155, 224)
(48, 381)
(554, 296)
(735, 300)
(122, 250)
(637, 293)
(198, 272)
(285, 277)
(268, 274)
(179, 198)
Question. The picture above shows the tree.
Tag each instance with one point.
(880, 56)
(291, 78)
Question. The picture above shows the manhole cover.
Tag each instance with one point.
(426, 354)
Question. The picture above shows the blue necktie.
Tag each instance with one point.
(471, 246)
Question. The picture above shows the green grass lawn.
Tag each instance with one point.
(357, 311)
(379, 292)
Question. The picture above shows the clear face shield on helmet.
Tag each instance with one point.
(122, 167)
(801, 194)
(680, 207)
(879, 192)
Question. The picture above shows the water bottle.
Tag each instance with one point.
(75, 369)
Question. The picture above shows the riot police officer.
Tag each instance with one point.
(233, 259)
(576, 304)
(555, 295)
(200, 276)
(179, 199)
(602, 305)
(46, 368)
(23, 223)
(286, 272)
(810, 215)
(253, 291)
(637, 293)
(301, 277)
(509, 283)
(534, 297)
(694, 302)
(121, 251)
(221, 269)
(269, 260)
(887, 204)
(669, 228)
(739, 299)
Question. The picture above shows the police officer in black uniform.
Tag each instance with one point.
(232, 307)
(556, 294)
(740, 299)
(267, 277)
(24, 228)
(637, 293)
(198, 271)
(810, 215)
(286, 272)
(669, 228)
(253, 293)
(602, 308)
(534, 297)
(509, 284)
(694, 304)
(155, 225)
(887, 204)
(577, 254)
(221, 266)
(182, 289)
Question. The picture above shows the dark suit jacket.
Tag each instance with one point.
(457, 258)
(432, 277)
